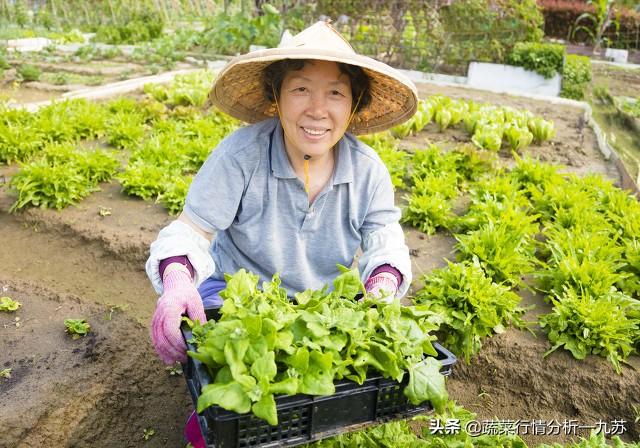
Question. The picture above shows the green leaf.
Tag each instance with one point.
(265, 408)
(427, 383)
(318, 380)
(348, 284)
(8, 304)
(265, 368)
(230, 396)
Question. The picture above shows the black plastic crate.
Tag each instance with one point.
(306, 418)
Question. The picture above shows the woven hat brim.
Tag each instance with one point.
(237, 90)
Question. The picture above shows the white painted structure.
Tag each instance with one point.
(617, 55)
(28, 44)
(508, 78)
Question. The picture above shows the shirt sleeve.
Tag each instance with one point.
(216, 192)
(383, 238)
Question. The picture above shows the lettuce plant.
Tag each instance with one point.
(471, 305)
(49, 186)
(518, 138)
(586, 324)
(488, 137)
(505, 247)
(541, 129)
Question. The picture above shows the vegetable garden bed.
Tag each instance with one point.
(86, 261)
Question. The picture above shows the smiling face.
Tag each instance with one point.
(315, 104)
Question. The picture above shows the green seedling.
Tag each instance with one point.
(174, 370)
(8, 304)
(77, 327)
(5, 373)
(147, 433)
(116, 308)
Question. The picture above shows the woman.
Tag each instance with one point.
(293, 193)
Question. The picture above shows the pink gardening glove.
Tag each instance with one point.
(180, 296)
(383, 285)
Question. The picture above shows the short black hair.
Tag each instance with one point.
(275, 72)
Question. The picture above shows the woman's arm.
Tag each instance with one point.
(181, 237)
(383, 241)
(184, 218)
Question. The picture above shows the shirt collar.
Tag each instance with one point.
(281, 167)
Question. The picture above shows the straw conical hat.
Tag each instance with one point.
(238, 91)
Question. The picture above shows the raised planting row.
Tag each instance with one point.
(489, 126)
(67, 148)
(578, 238)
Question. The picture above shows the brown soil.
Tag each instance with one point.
(105, 389)
(619, 81)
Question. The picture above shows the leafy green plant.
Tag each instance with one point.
(174, 193)
(576, 76)
(49, 186)
(533, 174)
(544, 59)
(429, 204)
(144, 180)
(136, 28)
(471, 305)
(586, 324)
(232, 34)
(541, 129)
(443, 117)
(601, 19)
(263, 344)
(583, 259)
(428, 212)
(19, 142)
(5, 373)
(505, 247)
(77, 328)
(28, 72)
(432, 161)
(189, 89)
(396, 160)
(488, 137)
(491, 200)
(518, 138)
(8, 304)
(147, 433)
(125, 130)
(631, 106)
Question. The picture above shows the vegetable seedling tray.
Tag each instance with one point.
(306, 418)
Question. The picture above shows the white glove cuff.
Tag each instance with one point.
(180, 239)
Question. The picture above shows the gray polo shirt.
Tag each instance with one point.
(248, 194)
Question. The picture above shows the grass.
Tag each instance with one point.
(616, 81)
(71, 78)
(623, 139)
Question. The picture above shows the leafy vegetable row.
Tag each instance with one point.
(165, 138)
(489, 126)
(578, 238)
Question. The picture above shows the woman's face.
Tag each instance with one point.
(315, 104)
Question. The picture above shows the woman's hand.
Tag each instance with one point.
(383, 286)
(180, 296)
